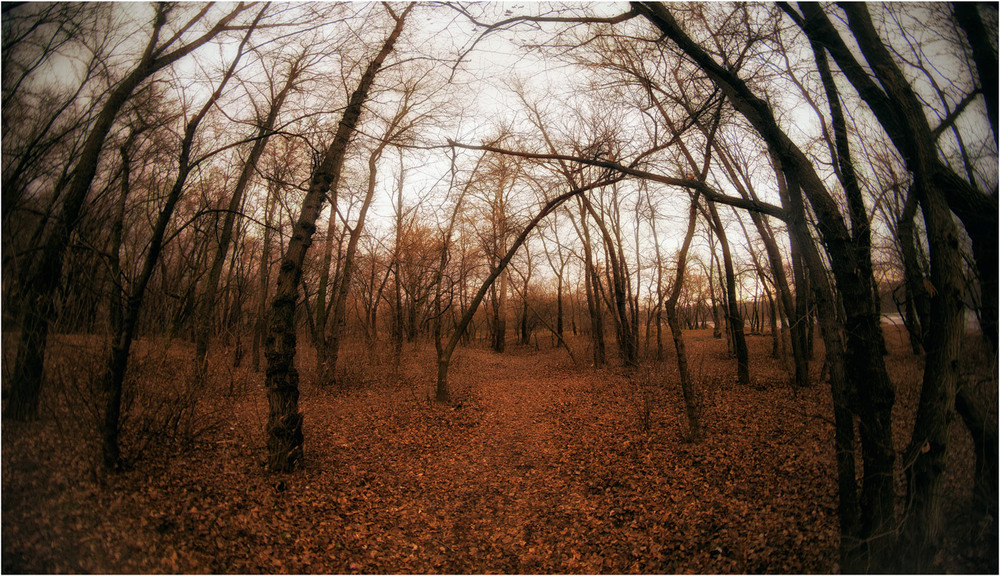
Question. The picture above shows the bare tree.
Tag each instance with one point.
(284, 422)
(265, 128)
(691, 402)
(27, 379)
(121, 343)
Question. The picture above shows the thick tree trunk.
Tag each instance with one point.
(927, 454)
(284, 422)
(983, 429)
(853, 555)
(864, 360)
(26, 382)
(900, 112)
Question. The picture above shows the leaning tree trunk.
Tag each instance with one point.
(852, 545)
(264, 276)
(735, 319)
(864, 361)
(918, 304)
(284, 422)
(691, 404)
(121, 343)
(26, 383)
(927, 455)
(331, 350)
(225, 237)
(784, 292)
(443, 393)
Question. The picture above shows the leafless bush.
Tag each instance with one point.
(163, 407)
(639, 395)
(74, 387)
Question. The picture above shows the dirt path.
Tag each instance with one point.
(539, 467)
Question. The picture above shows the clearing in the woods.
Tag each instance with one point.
(538, 466)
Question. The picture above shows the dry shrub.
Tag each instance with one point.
(355, 370)
(369, 364)
(638, 389)
(164, 408)
(72, 394)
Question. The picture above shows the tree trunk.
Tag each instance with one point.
(735, 319)
(618, 281)
(927, 454)
(225, 238)
(114, 374)
(691, 403)
(853, 556)
(284, 422)
(26, 382)
(593, 300)
(918, 305)
(443, 393)
(559, 304)
(332, 349)
(264, 273)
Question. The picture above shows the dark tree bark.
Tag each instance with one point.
(918, 304)
(26, 382)
(940, 191)
(284, 422)
(926, 457)
(203, 330)
(734, 318)
(691, 404)
(116, 303)
(744, 186)
(983, 54)
(984, 436)
(121, 343)
(867, 372)
(860, 225)
(853, 556)
(900, 113)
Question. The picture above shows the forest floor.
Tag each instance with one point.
(538, 466)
